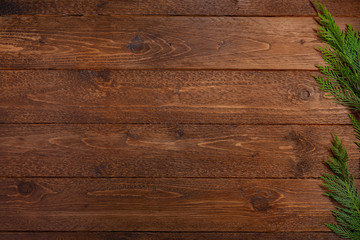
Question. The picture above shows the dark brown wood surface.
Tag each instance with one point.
(173, 7)
(160, 42)
(290, 151)
(193, 119)
(212, 97)
(165, 236)
(173, 204)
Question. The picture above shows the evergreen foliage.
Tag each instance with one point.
(342, 190)
(341, 79)
(342, 73)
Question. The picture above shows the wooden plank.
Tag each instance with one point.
(172, 7)
(165, 235)
(263, 205)
(216, 97)
(160, 42)
(169, 150)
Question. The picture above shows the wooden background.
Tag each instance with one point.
(148, 119)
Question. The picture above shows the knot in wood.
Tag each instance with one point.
(26, 188)
(136, 44)
(100, 4)
(259, 203)
(179, 132)
(304, 94)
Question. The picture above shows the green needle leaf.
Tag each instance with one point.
(341, 80)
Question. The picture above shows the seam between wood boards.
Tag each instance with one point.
(162, 69)
(158, 232)
(90, 177)
(180, 123)
(171, 15)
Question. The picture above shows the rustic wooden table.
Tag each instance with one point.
(148, 119)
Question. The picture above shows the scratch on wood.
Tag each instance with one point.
(154, 193)
(286, 147)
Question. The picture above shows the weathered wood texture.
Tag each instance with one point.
(176, 7)
(165, 236)
(163, 205)
(169, 150)
(160, 42)
(174, 127)
(215, 97)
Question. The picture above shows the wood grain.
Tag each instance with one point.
(173, 7)
(215, 97)
(163, 205)
(160, 42)
(169, 150)
(176, 125)
(165, 236)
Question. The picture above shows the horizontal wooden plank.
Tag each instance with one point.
(165, 235)
(169, 150)
(163, 205)
(216, 97)
(160, 42)
(172, 7)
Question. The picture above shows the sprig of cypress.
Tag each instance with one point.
(341, 80)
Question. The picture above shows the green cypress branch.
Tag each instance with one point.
(342, 73)
(341, 80)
